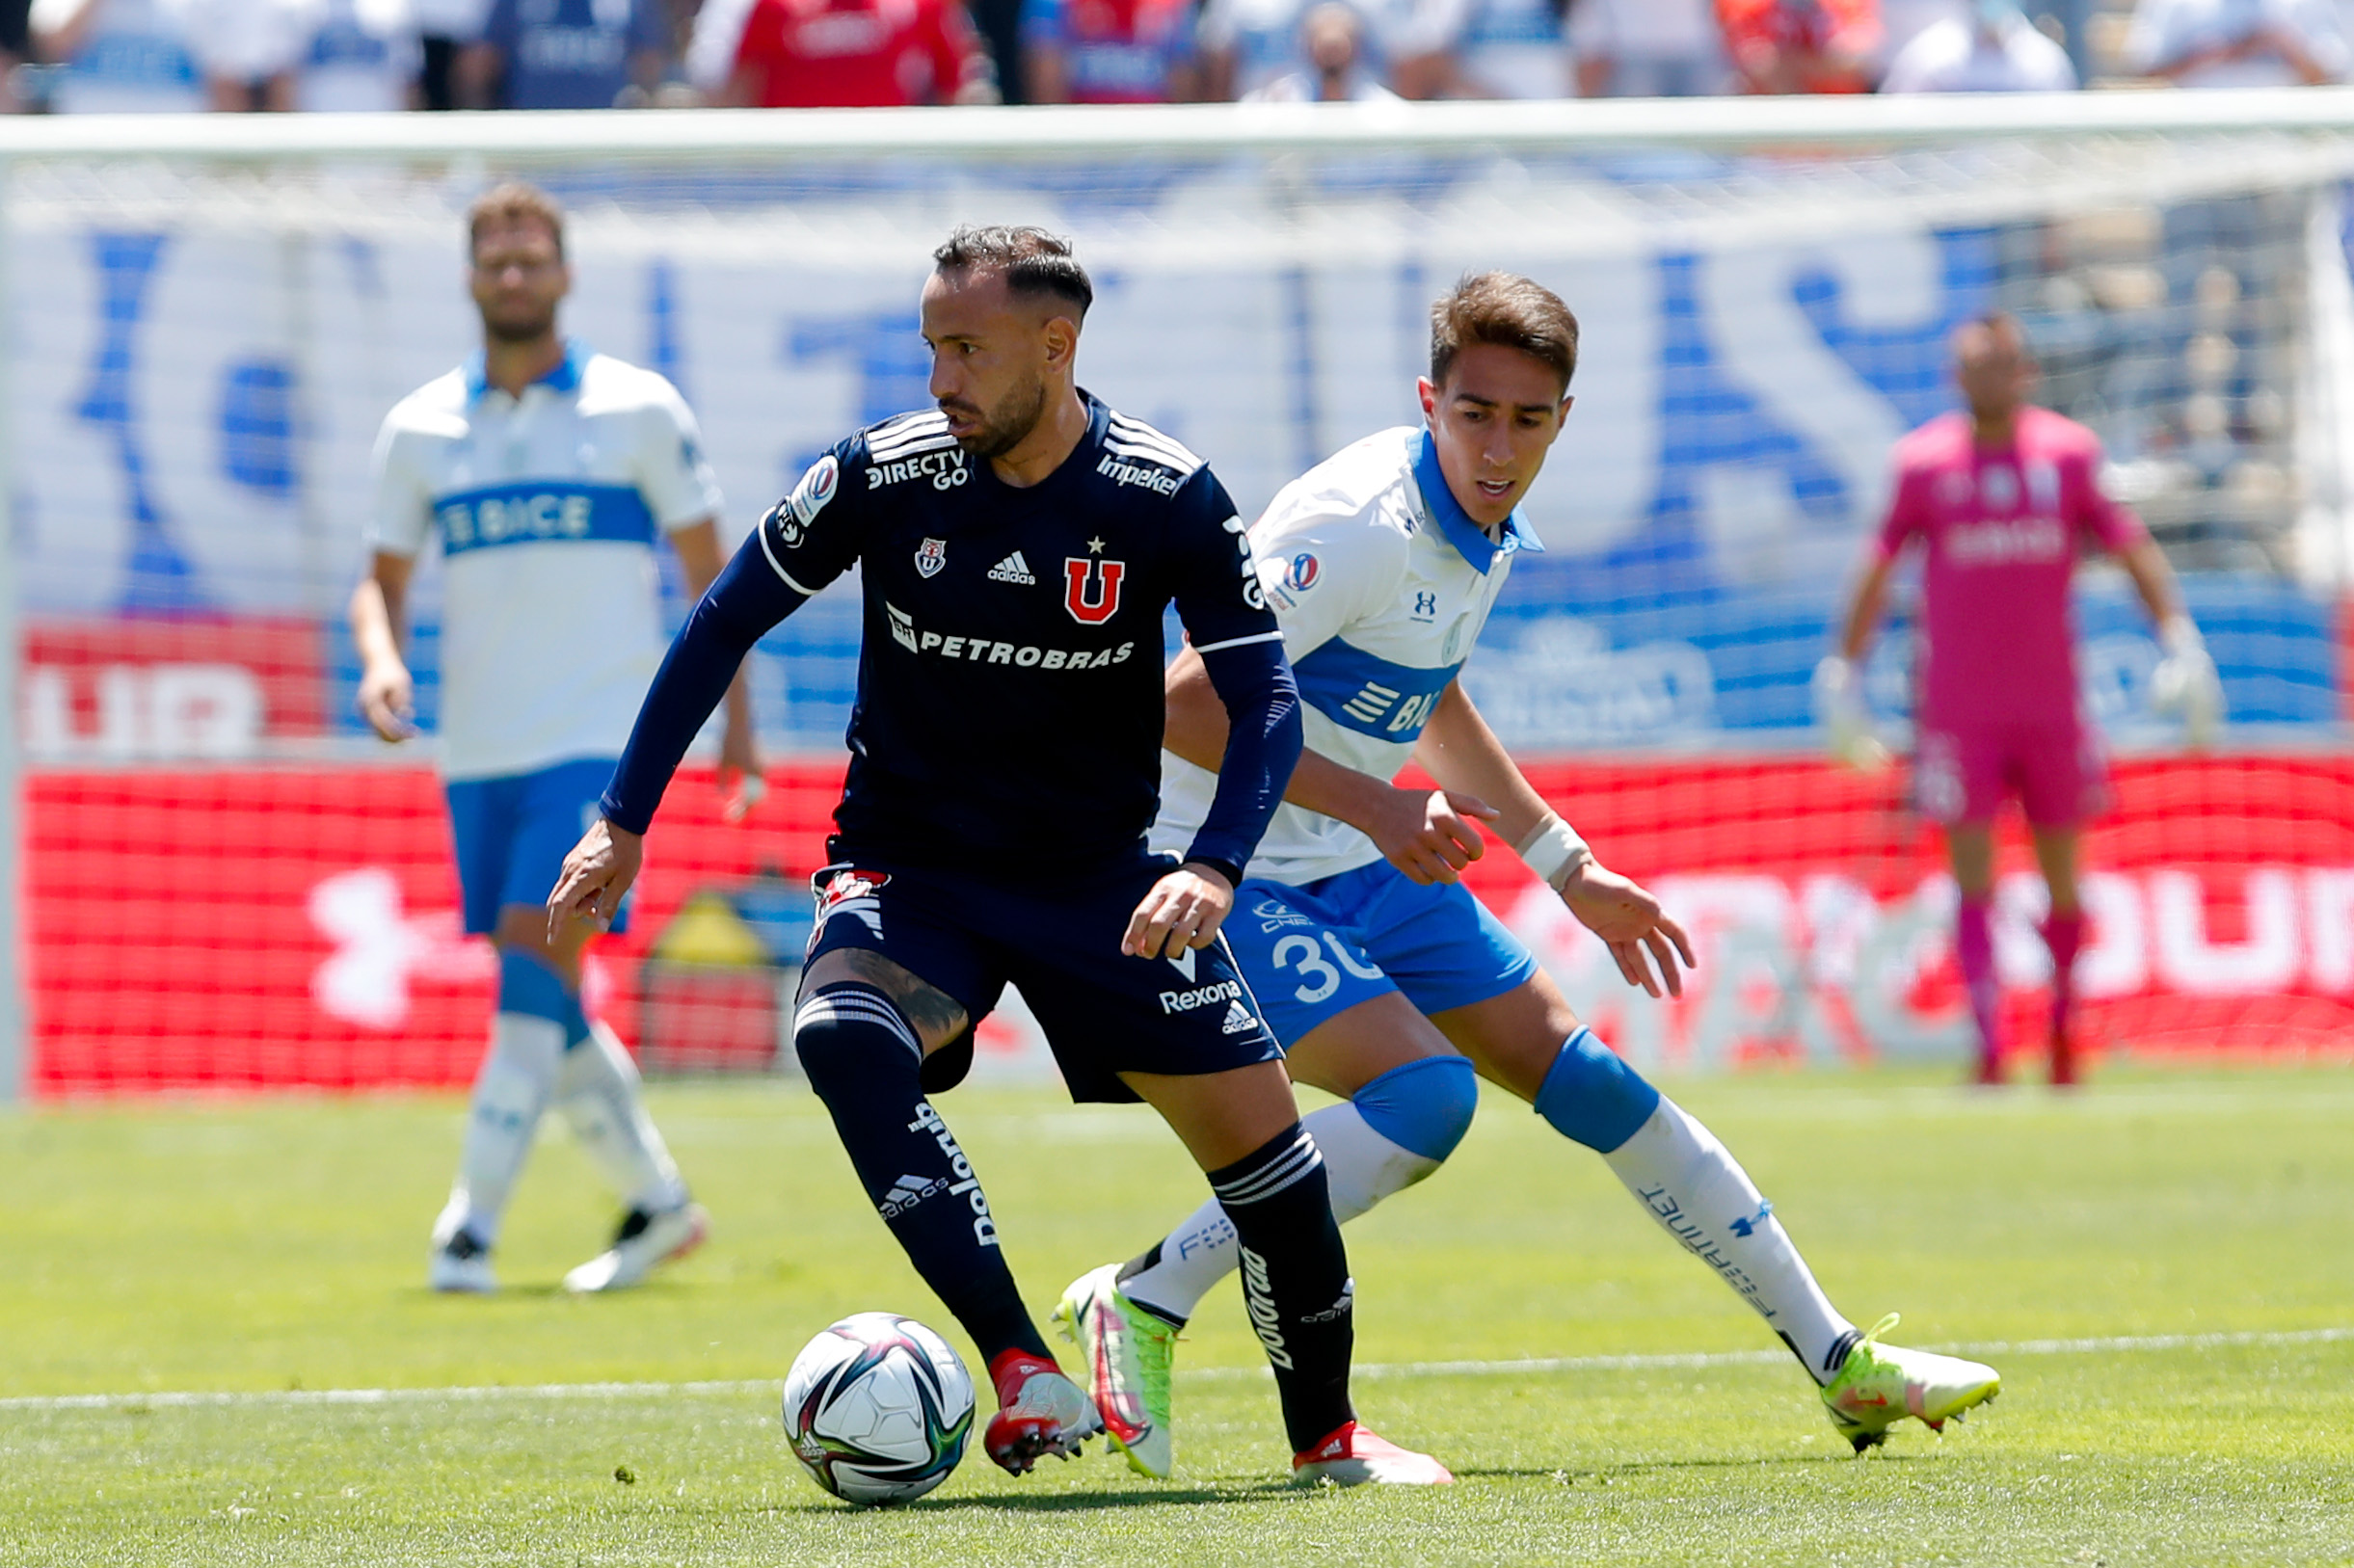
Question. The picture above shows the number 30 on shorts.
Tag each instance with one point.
(1318, 979)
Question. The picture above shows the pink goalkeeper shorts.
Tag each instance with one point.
(2057, 769)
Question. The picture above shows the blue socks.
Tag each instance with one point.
(1423, 1106)
(529, 987)
(1593, 1097)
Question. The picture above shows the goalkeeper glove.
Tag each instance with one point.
(2185, 684)
(1847, 723)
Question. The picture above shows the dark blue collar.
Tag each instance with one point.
(1469, 538)
(564, 378)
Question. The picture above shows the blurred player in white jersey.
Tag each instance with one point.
(1387, 982)
(547, 473)
(2004, 498)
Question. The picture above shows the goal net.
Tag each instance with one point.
(226, 881)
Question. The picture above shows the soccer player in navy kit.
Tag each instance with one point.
(1016, 548)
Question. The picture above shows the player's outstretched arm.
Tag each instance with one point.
(740, 778)
(1428, 834)
(1461, 752)
(748, 599)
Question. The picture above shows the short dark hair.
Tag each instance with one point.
(510, 202)
(1032, 260)
(1506, 309)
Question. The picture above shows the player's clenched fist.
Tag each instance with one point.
(596, 877)
(1431, 834)
(1183, 910)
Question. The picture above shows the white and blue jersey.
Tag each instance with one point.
(1381, 583)
(547, 509)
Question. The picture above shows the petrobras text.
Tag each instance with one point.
(988, 651)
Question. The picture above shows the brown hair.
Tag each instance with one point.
(1506, 309)
(513, 202)
(1032, 260)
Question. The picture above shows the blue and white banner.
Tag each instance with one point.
(199, 386)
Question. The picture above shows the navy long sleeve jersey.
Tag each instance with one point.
(1009, 683)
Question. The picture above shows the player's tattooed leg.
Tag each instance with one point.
(932, 1013)
(862, 1056)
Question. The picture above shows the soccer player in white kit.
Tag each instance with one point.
(546, 473)
(1387, 982)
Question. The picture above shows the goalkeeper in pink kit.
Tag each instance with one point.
(2004, 497)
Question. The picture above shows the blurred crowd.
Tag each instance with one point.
(85, 56)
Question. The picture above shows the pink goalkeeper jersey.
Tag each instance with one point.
(2003, 527)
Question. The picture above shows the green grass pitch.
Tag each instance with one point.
(258, 1247)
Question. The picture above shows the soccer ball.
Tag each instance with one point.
(878, 1409)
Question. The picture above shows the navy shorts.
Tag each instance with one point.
(514, 831)
(1056, 935)
(1316, 951)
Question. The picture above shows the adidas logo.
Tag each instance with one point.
(907, 1192)
(1238, 1019)
(1013, 569)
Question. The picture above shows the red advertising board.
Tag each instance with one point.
(236, 927)
(129, 689)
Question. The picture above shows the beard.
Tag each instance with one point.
(1005, 426)
(518, 328)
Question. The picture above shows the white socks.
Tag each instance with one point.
(1361, 1167)
(1700, 1195)
(598, 1089)
(510, 1093)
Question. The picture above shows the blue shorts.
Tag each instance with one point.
(1316, 951)
(513, 834)
(1056, 935)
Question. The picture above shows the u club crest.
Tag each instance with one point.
(930, 556)
(1091, 588)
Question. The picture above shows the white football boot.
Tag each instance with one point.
(1040, 1412)
(460, 1264)
(643, 1243)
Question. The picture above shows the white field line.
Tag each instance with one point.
(485, 1392)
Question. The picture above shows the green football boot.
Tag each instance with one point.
(1882, 1384)
(1128, 1351)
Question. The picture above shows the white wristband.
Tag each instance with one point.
(1553, 850)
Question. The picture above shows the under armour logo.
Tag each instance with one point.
(379, 949)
